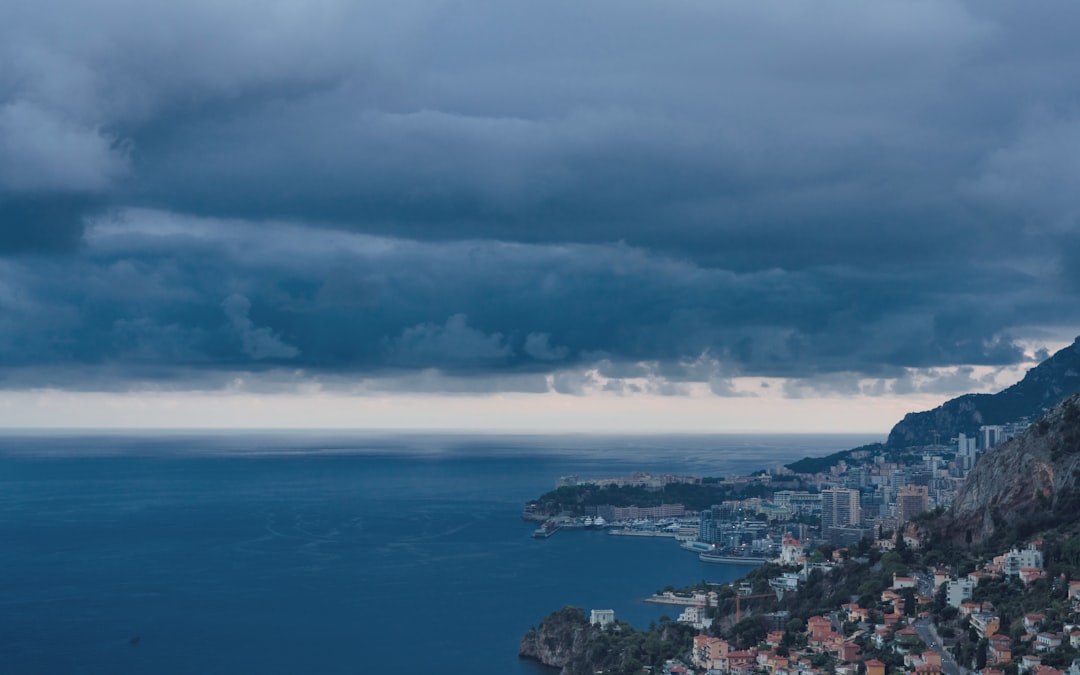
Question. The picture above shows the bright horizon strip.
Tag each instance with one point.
(524, 413)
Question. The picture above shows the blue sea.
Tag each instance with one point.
(322, 553)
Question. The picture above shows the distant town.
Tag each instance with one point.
(868, 492)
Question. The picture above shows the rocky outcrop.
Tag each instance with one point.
(1029, 483)
(561, 637)
(566, 640)
(1043, 387)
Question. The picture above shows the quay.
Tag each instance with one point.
(642, 533)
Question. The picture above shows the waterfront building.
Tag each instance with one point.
(602, 617)
(707, 527)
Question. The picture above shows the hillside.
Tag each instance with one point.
(1043, 387)
(1028, 484)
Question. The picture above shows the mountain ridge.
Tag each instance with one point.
(1041, 388)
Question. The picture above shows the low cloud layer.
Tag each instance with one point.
(575, 197)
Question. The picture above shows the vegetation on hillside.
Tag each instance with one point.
(576, 499)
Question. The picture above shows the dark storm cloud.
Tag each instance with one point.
(161, 298)
(620, 195)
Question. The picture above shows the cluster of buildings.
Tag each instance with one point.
(821, 637)
(840, 634)
(826, 635)
(859, 498)
(1025, 565)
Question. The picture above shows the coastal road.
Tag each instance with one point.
(928, 634)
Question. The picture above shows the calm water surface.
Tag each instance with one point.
(321, 553)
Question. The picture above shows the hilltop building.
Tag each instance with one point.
(602, 617)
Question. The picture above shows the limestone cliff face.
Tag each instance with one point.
(1042, 388)
(1029, 482)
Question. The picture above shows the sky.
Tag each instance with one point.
(577, 215)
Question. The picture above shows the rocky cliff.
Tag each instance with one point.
(1042, 387)
(1030, 483)
(560, 639)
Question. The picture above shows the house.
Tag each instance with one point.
(969, 608)
(1029, 663)
(1074, 590)
(1047, 642)
(818, 627)
(848, 652)
(695, 616)
(1033, 622)
(907, 637)
(874, 667)
(999, 650)
(746, 659)
(899, 583)
(854, 612)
